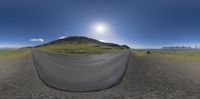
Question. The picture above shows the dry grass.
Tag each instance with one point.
(78, 49)
(13, 54)
(194, 55)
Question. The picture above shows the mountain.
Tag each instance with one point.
(80, 45)
(81, 40)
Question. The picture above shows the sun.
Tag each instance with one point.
(100, 28)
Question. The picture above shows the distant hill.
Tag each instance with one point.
(80, 45)
(84, 40)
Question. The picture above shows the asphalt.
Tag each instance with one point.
(81, 73)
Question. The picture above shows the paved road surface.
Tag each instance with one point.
(81, 72)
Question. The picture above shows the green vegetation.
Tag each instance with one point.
(12, 54)
(193, 55)
(139, 52)
(78, 48)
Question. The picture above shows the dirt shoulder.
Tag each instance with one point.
(9, 68)
(166, 77)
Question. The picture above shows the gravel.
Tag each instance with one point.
(147, 77)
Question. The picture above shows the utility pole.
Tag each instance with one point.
(196, 47)
(174, 51)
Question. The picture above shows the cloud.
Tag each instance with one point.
(62, 37)
(36, 40)
(102, 40)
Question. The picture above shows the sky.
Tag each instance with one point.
(137, 23)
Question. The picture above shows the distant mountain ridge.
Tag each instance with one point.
(84, 40)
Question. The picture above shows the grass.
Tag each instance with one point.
(78, 48)
(139, 52)
(12, 54)
(193, 55)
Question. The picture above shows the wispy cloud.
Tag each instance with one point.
(102, 40)
(37, 40)
(62, 37)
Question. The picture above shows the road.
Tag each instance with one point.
(147, 77)
(81, 72)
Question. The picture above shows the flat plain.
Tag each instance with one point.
(151, 76)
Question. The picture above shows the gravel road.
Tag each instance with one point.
(147, 77)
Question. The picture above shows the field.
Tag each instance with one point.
(12, 54)
(192, 55)
(78, 48)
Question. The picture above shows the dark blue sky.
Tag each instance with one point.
(138, 23)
